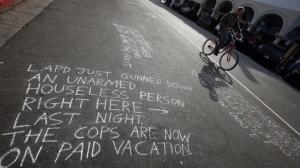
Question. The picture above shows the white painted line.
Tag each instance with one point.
(239, 82)
(129, 2)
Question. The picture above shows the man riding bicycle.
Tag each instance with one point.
(228, 25)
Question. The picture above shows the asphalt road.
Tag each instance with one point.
(119, 83)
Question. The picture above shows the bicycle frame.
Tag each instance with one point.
(229, 48)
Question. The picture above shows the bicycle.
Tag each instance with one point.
(229, 56)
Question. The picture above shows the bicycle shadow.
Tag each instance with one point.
(212, 77)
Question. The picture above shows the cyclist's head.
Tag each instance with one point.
(240, 11)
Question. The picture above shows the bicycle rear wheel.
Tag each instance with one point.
(209, 46)
(229, 61)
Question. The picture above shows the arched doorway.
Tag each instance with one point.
(267, 27)
(294, 35)
(223, 9)
(247, 17)
(293, 48)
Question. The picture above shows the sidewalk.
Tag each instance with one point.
(8, 4)
(14, 17)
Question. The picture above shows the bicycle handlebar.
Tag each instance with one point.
(239, 39)
(236, 37)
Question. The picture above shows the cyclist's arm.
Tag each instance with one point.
(237, 28)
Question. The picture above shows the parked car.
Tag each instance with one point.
(272, 54)
(207, 22)
(249, 44)
(176, 5)
(166, 2)
(190, 9)
(293, 75)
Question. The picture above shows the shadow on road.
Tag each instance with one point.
(247, 72)
(212, 77)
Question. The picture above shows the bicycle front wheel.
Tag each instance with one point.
(229, 61)
(209, 47)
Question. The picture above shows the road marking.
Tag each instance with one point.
(239, 82)
(129, 2)
(162, 110)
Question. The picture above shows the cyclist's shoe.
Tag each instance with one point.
(216, 51)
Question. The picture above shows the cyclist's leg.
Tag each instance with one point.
(223, 41)
(231, 38)
(226, 37)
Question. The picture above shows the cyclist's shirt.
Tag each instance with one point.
(230, 21)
